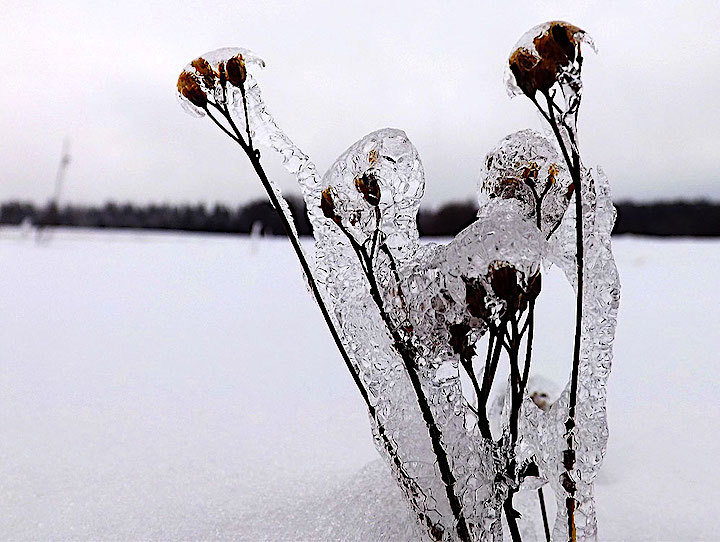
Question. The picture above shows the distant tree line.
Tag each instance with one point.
(659, 219)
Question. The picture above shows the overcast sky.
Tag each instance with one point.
(102, 74)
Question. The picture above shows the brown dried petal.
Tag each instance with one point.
(556, 48)
(205, 71)
(522, 65)
(190, 89)
(530, 173)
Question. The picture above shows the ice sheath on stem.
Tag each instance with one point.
(406, 317)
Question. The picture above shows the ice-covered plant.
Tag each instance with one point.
(409, 318)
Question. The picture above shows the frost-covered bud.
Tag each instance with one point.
(368, 186)
(236, 72)
(504, 281)
(189, 87)
(205, 71)
(328, 206)
(530, 174)
(542, 54)
(475, 294)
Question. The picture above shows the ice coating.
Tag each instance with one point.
(601, 302)
(527, 42)
(527, 167)
(232, 95)
(410, 315)
(236, 99)
(432, 281)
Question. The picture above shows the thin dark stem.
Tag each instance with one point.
(484, 392)
(530, 323)
(247, 120)
(543, 511)
(512, 516)
(483, 422)
(411, 484)
(219, 125)
(516, 397)
(574, 167)
(489, 375)
(376, 233)
(409, 361)
(393, 267)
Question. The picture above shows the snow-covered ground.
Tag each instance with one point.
(163, 386)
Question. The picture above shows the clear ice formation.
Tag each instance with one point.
(423, 290)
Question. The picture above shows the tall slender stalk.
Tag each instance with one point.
(572, 160)
(406, 353)
(254, 158)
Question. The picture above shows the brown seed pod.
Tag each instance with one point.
(556, 48)
(475, 294)
(236, 72)
(190, 89)
(369, 187)
(530, 173)
(328, 206)
(504, 282)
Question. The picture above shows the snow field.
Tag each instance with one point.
(170, 386)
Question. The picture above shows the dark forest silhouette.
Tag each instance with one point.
(658, 219)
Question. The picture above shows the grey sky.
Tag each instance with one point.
(103, 74)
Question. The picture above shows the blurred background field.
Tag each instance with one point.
(176, 386)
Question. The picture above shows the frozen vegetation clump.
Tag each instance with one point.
(409, 319)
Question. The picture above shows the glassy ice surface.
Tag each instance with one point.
(395, 303)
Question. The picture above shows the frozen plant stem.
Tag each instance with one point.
(254, 157)
(572, 160)
(409, 360)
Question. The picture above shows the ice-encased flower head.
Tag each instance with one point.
(526, 167)
(541, 55)
(218, 76)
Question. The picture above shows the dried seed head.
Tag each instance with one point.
(189, 87)
(205, 71)
(328, 206)
(475, 293)
(505, 187)
(236, 72)
(555, 48)
(505, 285)
(369, 187)
(553, 172)
(530, 173)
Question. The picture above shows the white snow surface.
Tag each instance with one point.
(175, 386)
